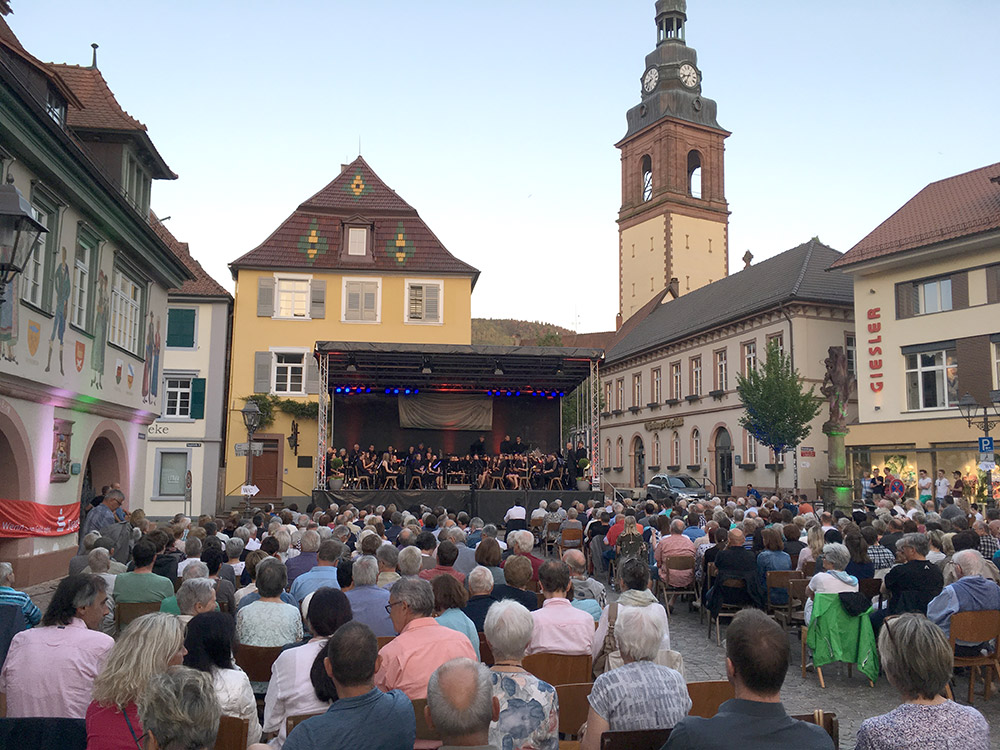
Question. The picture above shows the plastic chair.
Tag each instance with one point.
(706, 697)
(635, 739)
(573, 707)
(232, 733)
(257, 661)
(559, 669)
(977, 627)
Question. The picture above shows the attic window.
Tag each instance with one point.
(56, 107)
(357, 241)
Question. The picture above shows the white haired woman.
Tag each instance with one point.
(529, 708)
(918, 662)
(639, 694)
(833, 579)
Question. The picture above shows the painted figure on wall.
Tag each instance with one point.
(154, 383)
(100, 332)
(62, 435)
(62, 287)
(8, 321)
(147, 365)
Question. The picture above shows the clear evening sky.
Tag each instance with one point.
(497, 121)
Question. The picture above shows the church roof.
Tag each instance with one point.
(960, 206)
(312, 237)
(798, 274)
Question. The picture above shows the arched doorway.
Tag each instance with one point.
(638, 463)
(105, 463)
(723, 461)
(10, 478)
(17, 463)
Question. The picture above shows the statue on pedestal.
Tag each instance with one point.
(837, 387)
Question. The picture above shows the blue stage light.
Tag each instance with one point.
(518, 393)
(338, 390)
(368, 390)
(508, 393)
(395, 391)
(388, 391)
(407, 391)
(416, 390)
(561, 394)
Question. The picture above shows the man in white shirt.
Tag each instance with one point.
(941, 485)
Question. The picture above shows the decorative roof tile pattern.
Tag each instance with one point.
(956, 207)
(313, 236)
(202, 285)
(100, 110)
(796, 274)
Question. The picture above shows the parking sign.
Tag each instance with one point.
(985, 445)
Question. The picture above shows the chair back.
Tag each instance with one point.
(975, 627)
(44, 733)
(679, 562)
(706, 697)
(384, 639)
(485, 651)
(125, 612)
(552, 527)
(223, 605)
(826, 720)
(635, 739)
(779, 579)
(540, 598)
(534, 586)
(870, 587)
(572, 535)
(177, 584)
(537, 523)
(293, 721)
(573, 706)
(424, 731)
(809, 568)
(797, 589)
(559, 669)
(256, 661)
(232, 733)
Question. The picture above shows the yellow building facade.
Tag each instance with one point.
(353, 263)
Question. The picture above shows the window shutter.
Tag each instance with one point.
(197, 398)
(265, 297)
(262, 372)
(432, 302)
(416, 302)
(352, 308)
(906, 300)
(180, 328)
(317, 299)
(959, 290)
(369, 303)
(312, 374)
(993, 284)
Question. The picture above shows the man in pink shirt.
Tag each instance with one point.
(50, 670)
(407, 662)
(675, 544)
(560, 628)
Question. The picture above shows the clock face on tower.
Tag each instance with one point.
(688, 75)
(650, 79)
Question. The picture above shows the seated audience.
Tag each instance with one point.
(225, 591)
(290, 691)
(209, 643)
(449, 598)
(234, 555)
(813, 548)
(912, 585)
(918, 662)
(967, 539)
(572, 522)
(79, 562)
(489, 555)
(633, 582)
(388, 557)
(735, 562)
(517, 573)
(196, 595)
(192, 554)
(362, 715)
(460, 704)
(367, 600)
(584, 587)
(675, 544)
(793, 544)
(560, 628)
(323, 573)
(306, 559)
(197, 569)
(410, 560)
(179, 711)
(447, 554)
(639, 694)
(880, 556)
(466, 560)
(833, 579)
(67, 645)
(480, 596)
(167, 557)
(529, 709)
(142, 584)
(757, 651)
(422, 645)
(773, 557)
(269, 621)
(861, 565)
(151, 643)
(972, 592)
(10, 595)
(114, 567)
(522, 543)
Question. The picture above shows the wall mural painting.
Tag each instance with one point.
(151, 367)
(62, 434)
(100, 333)
(62, 288)
(8, 322)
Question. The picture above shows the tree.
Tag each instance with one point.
(778, 410)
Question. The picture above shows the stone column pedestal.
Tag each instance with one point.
(837, 490)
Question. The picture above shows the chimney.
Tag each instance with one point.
(343, 168)
(618, 322)
(93, 61)
(674, 287)
(747, 259)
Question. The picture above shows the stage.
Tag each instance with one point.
(490, 505)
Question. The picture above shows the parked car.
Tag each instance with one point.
(675, 487)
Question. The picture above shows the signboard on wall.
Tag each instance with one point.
(22, 518)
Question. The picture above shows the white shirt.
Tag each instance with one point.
(924, 483)
(290, 693)
(515, 513)
(232, 686)
(941, 487)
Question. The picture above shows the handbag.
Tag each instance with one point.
(610, 644)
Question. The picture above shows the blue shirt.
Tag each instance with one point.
(693, 532)
(368, 607)
(32, 614)
(590, 606)
(375, 719)
(457, 620)
(97, 519)
(317, 578)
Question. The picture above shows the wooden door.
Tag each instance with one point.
(267, 469)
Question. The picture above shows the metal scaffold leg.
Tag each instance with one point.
(322, 417)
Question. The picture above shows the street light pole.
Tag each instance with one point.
(251, 419)
(969, 408)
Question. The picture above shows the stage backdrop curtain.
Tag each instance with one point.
(446, 411)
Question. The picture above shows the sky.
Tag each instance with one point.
(497, 121)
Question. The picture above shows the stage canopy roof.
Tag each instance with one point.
(452, 367)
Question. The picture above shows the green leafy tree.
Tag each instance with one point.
(777, 408)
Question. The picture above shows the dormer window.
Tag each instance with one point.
(357, 241)
(136, 184)
(55, 106)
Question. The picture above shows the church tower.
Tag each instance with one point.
(674, 218)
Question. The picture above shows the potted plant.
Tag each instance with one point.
(336, 474)
(583, 484)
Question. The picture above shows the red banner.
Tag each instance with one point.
(22, 518)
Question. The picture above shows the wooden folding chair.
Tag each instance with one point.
(424, 731)
(293, 721)
(125, 612)
(551, 530)
(485, 651)
(555, 484)
(794, 615)
(535, 527)
(706, 697)
(573, 707)
(635, 739)
(384, 639)
(977, 627)
(726, 610)
(710, 573)
(559, 669)
(679, 562)
(779, 579)
(232, 733)
(826, 720)
(257, 661)
(571, 535)
(809, 568)
(871, 587)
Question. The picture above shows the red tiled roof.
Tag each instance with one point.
(959, 206)
(9, 40)
(101, 111)
(202, 285)
(312, 236)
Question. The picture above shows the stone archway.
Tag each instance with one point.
(17, 465)
(105, 463)
(638, 454)
(723, 449)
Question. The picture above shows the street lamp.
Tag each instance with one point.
(251, 418)
(969, 408)
(19, 231)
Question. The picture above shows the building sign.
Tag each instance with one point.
(671, 423)
(875, 349)
(21, 518)
(807, 452)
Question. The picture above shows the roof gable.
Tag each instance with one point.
(357, 190)
(949, 209)
(796, 274)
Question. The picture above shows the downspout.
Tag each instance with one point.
(791, 357)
